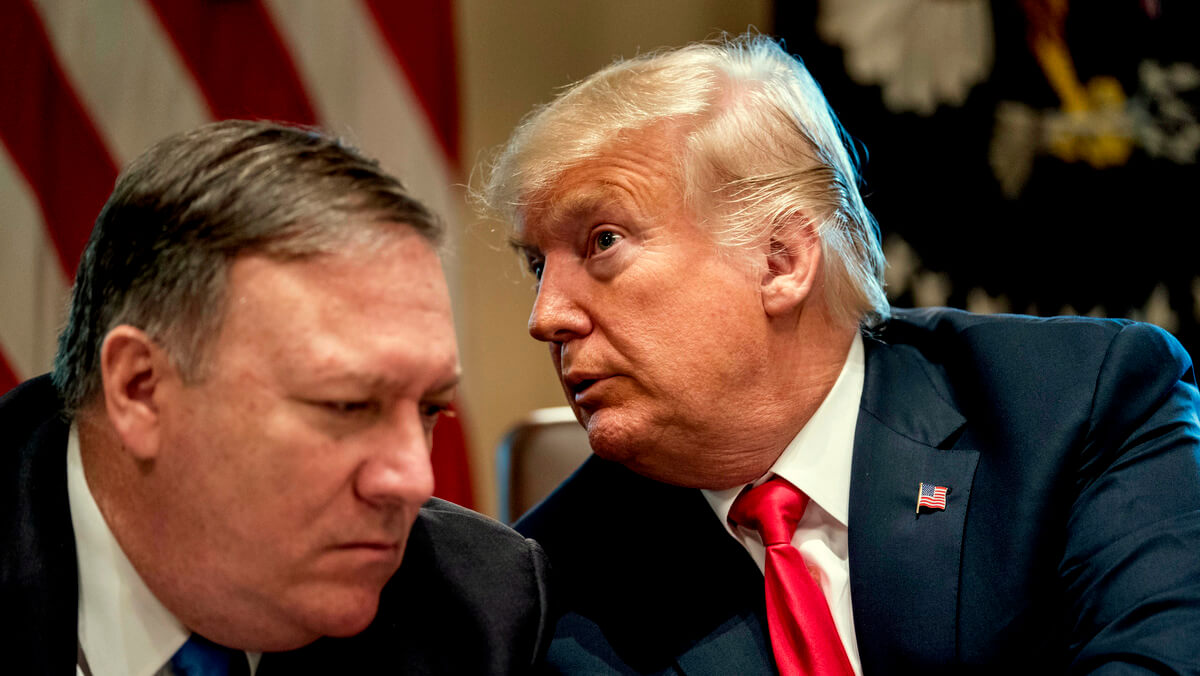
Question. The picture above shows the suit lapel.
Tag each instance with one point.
(904, 566)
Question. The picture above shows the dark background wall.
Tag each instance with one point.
(1033, 156)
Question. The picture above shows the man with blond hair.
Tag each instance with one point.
(791, 475)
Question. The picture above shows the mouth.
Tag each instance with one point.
(582, 387)
(579, 387)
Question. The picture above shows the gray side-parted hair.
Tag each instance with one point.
(763, 151)
(159, 254)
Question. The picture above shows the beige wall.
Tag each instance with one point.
(513, 55)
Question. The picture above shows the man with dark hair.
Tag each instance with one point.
(231, 462)
(789, 474)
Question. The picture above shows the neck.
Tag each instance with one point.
(109, 480)
(809, 354)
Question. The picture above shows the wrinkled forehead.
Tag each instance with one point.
(621, 168)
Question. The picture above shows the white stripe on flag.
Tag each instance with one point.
(360, 92)
(35, 291)
(125, 70)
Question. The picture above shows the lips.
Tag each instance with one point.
(585, 388)
(375, 554)
(578, 381)
(580, 386)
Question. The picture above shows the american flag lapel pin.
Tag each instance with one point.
(933, 497)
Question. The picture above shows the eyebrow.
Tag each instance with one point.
(571, 208)
(521, 246)
(375, 381)
(447, 386)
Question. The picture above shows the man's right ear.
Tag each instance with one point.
(133, 368)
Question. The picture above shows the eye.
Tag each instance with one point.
(350, 407)
(431, 412)
(604, 240)
(536, 265)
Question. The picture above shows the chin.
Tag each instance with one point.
(643, 448)
(346, 615)
(613, 437)
(634, 446)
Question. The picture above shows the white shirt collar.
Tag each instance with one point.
(123, 627)
(817, 461)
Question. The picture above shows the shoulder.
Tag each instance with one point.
(34, 432)
(27, 408)
(995, 354)
(940, 326)
(454, 538)
(37, 549)
(1035, 336)
(470, 553)
(471, 595)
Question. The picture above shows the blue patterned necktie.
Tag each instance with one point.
(201, 657)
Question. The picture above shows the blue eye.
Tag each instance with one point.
(605, 240)
(536, 265)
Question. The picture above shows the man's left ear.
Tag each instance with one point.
(793, 260)
(133, 368)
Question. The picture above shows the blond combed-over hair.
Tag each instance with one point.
(762, 152)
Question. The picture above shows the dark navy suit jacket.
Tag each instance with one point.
(1070, 542)
(469, 598)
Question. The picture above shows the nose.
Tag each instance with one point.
(558, 314)
(398, 470)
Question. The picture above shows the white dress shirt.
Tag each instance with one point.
(124, 629)
(817, 461)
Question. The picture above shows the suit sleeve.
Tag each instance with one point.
(1131, 567)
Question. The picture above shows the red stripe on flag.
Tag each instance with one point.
(8, 378)
(451, 469)
(421, 37)
(238, 58)
(49, 135)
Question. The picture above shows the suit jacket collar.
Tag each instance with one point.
(38, 581)
(904, 565)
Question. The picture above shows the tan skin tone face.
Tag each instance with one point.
(664, 342)
(276, 495)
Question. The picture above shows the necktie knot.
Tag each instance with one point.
(201, 657)
(773, 509)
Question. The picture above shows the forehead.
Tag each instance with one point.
(381, 310)
(639, 173)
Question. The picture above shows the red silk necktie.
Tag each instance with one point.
(803, 636)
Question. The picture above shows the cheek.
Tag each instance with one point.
(268, 461)
(706, 314)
